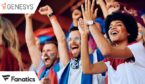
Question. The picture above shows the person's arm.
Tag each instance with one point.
(34, 52)
(101, 3)
(87, 67)
(75, 16)
(102, 43)
(61, 39)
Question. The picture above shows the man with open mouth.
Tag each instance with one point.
(45, 62)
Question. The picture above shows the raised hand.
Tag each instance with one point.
(112, 6)
(89, 13)
(131, 11)
(28, 16)
(99, 1)
(45, 10)
(108, 2)
(76, 14)
(83, 28)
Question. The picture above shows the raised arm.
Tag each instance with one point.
(34, 51)
(102, 4)
(62, 46)
(75, 16)
(87, 67)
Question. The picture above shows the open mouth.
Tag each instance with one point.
(114, 33)
(74, 47)
(46, 58)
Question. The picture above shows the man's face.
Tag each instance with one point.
(75, 43)
(49, 54)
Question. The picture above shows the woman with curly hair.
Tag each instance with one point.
(121, 30)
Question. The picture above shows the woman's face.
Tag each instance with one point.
(117, 31)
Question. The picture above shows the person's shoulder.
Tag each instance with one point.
(136, 45)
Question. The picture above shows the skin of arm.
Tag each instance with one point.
(87, 67)
(103, 7)
(34, 52)
(62, 45)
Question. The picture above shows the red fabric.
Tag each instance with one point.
(7, 61)
(53, 77)
(44, 32)
(114, 62)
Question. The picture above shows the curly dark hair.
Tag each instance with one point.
(129, 22)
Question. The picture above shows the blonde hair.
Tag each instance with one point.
(10, 38)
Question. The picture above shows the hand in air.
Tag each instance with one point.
(45, 10)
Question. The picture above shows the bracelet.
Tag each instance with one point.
(51, 14)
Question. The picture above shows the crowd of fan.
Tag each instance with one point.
(99, 50)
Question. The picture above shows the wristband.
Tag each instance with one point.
(90, 22)
(51, 14)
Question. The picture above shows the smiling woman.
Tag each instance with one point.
(130, 25)
(122, 30)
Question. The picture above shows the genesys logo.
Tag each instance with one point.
(19, 78)
(7, 6)
(18, 6)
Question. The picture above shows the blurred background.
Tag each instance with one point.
(63, 10)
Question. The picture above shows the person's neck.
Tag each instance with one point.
(121, 44)
(78, 57)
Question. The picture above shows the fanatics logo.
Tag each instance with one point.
(24, 77)
(6, 77)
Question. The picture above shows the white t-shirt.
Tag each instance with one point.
(129, 72)
(76, 74)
